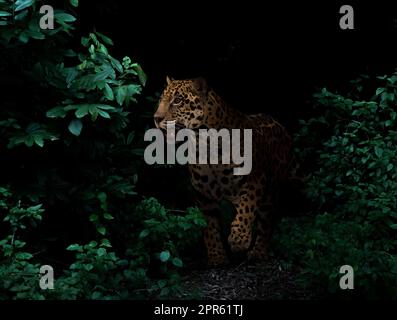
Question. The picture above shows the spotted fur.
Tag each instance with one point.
(192, 104)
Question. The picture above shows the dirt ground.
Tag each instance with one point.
(265, 281)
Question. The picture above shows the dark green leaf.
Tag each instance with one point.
(103, 114)
(380, 90)
(165, 255)
(378, 151)
(144, 233)
(22, 4)
(108, 216)
(101, 252)
(102, 230)
(109, 93)
(177, 262)
(104, 38)
(75, 127)
(82, 110)
(75, 247)
(64, 17)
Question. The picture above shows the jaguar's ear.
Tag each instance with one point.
(200, 84)
(169, 79)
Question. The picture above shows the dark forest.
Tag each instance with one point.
(78, 200)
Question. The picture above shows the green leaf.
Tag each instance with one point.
(29, 141)
(102, 75)
(126, 62)
(92, 244)
(108, 216)
(75, 127)
(349, 172)
(104, 38)
(106, 243)
(72, 74)
(144, 233)
(101, 230)
(23, 256)
(93, 110)
(22, 4)
(38, 139)
(75, 247)
(162, 283)
(88, 267)
(380, 90)
(338, 193)
(109, 92)
(102, 196)
(130, 137)
(121, 93)
(103, 114)
(105, 107)
(5, 14)
(141, 74)
(85, 41)
(23, 37)
(101, 252)
(165, 255)
(394, 226)
(116, 64)
(82, 110)
(177, 262)
(378, 151)
(64, 17)
(133, 89)
(165, 291)
(74, 3)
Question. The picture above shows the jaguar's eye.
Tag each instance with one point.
(177, 100)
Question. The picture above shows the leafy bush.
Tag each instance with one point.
(71, 124)
(351, 146)
(155, 239)
(17, 273)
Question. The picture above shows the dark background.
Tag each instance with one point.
(261, 56)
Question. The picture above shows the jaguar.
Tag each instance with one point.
(193, 104)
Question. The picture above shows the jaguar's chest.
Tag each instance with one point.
(216, 181)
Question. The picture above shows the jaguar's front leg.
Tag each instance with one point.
(216, 253)
(241, 229)
(265, 221)
(263, 235)
(212, 237)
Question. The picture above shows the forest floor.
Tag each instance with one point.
(265, 281)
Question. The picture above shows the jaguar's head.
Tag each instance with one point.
(183, 103)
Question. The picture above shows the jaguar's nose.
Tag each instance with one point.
(158, 119)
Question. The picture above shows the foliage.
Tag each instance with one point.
(71, 124)
(20, 21)
(352, 147)
(100, 273)
(17, 273)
